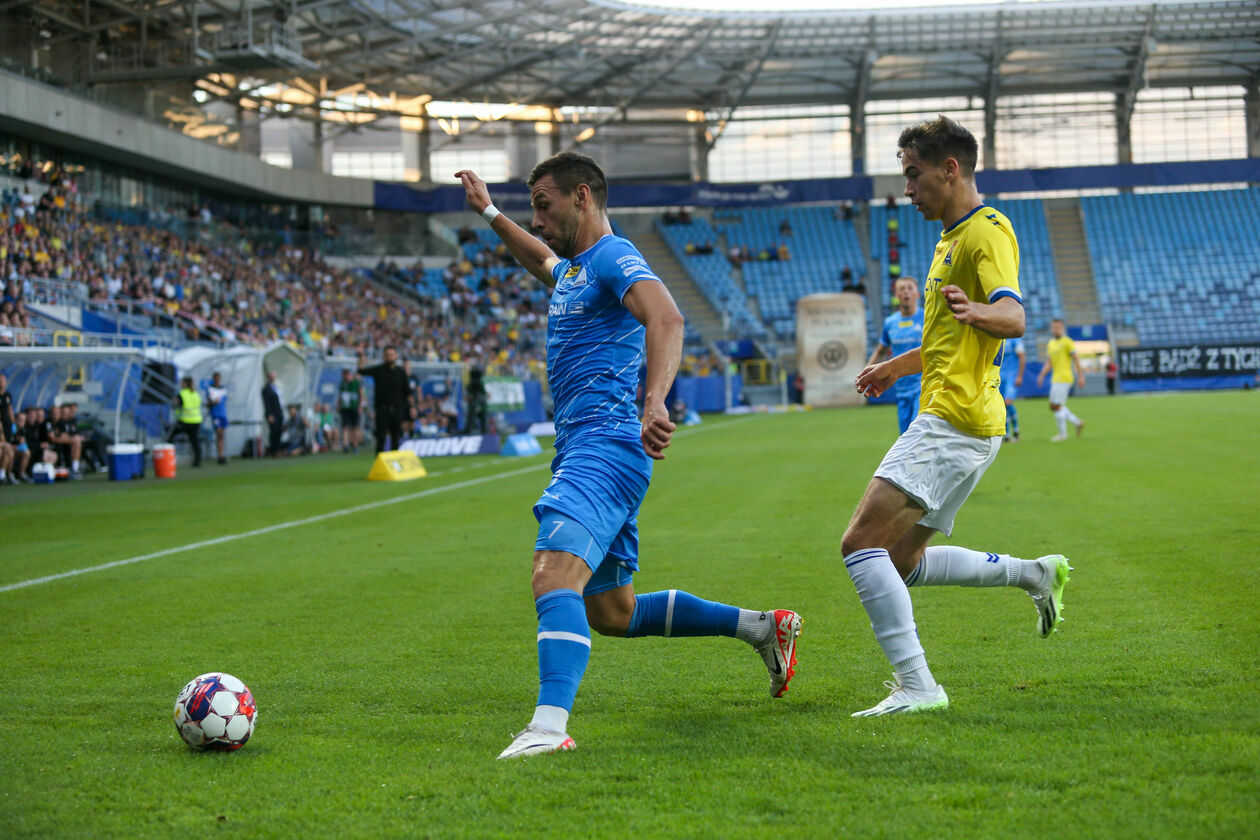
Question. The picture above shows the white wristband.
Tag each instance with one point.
(490, 213)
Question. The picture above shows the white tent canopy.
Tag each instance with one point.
(244, 371)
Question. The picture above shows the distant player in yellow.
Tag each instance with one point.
(1061, 357)
(971, 304)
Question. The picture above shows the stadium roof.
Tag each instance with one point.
(617, 55)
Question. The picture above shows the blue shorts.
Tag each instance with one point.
(1009, 391)
(219, 422)
(591, 508)
(907, 410)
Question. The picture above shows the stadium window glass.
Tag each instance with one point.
(886, 119)
(781, 143)
(382, 166)
(1068, 129)
(1188, 124)
(490, 164)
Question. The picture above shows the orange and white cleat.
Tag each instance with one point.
(535, 741)
(779, 652)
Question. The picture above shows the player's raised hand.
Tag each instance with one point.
(657, 429)
(875, 379)
(475, 190)
(963, 308)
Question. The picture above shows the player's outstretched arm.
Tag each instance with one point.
(536, 257)
(1080, 372)
(1045, 368)
(653, 306)
(876, 379)
(1023, 362)
(878, 354)
(1004, 318)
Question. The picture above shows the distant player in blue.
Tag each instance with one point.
(609, 316)
(216, 398)
(903, 331)
(1013, 361)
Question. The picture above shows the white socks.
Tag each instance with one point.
(887, 602)
(551, 718)
(1063, 416)
(754, 627)
(953, 565)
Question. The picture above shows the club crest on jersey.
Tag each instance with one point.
(949, 255)
(572, 279)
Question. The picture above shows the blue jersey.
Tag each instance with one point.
(216, 398)
(594, 345)
(902, 333)
(1011, 350)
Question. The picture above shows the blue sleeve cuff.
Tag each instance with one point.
(1005, 292)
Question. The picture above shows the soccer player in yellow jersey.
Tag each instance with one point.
(971, 304)
(1061, 357)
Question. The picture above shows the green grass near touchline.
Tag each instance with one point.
(392, 655)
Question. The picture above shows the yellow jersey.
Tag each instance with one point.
(1060, 351)
(961, 364)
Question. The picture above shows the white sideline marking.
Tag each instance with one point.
(270, 528)
(23, 584)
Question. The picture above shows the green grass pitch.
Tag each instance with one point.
(391, 650)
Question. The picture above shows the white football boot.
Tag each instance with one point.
(535, 741)
(779, 651)
(903, 700)
(1049, 597)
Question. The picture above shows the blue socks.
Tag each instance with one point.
(564, 647)
(1012, 420)
(564, 638)
(675, 613)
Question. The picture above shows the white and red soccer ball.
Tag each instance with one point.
(215, 712)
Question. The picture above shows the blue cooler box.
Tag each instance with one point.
(126, 461)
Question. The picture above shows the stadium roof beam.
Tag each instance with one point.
(701, 31)
(993, 86)
(748, 83)
(592, 53)
(1126, 99)
(857, 105)
(474, 49)
(435, 34)
(502, 70)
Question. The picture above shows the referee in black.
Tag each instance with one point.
(391, 397)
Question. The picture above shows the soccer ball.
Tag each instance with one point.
(215, 712)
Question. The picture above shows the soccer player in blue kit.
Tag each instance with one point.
(609, 315)
(1014, 359)
(903, 331)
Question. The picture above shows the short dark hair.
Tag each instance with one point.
(570, 169)
(939, 139)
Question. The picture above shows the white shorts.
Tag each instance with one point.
(938, 466)
(1059, 392)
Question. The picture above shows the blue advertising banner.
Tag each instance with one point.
(1119, 175)
(1189, 367)
(515, 197)
(457, 445)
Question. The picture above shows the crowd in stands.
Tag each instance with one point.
(487, 311)
(233, 290)
(775, 252)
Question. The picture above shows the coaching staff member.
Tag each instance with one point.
(391, 397)
(273, 407)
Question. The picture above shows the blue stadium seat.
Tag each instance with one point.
(1180, 267)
